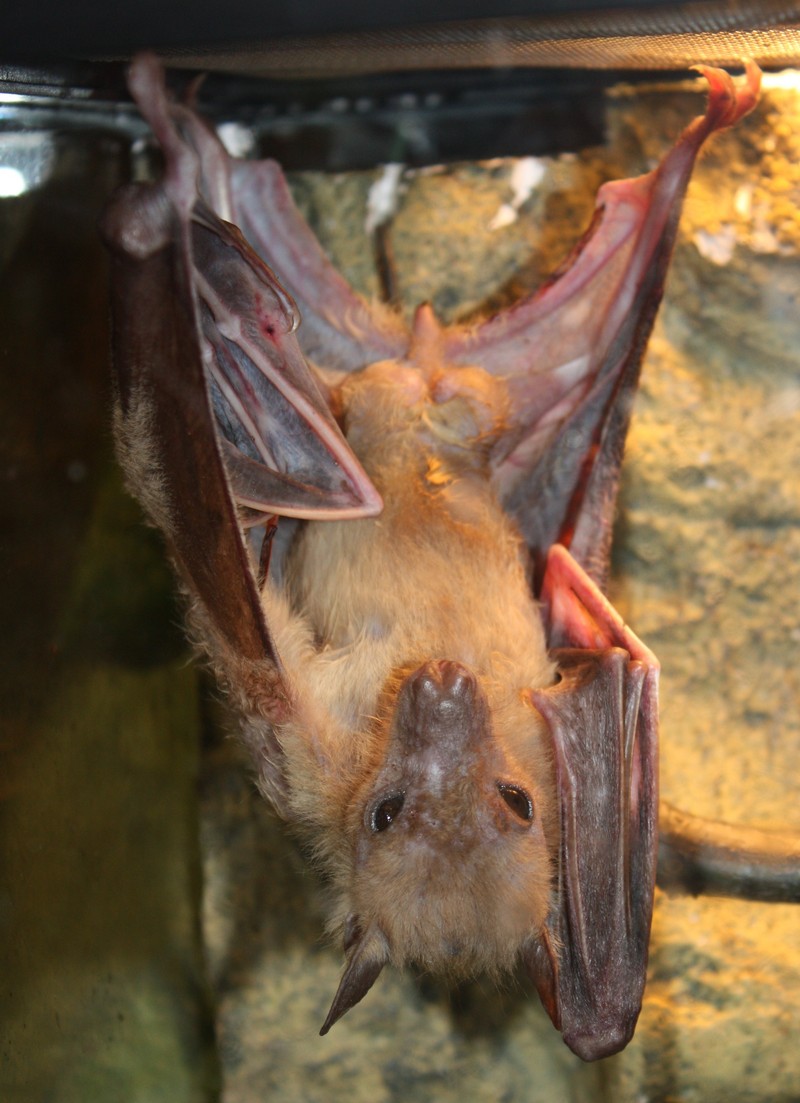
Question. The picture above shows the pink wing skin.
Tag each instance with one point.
(283, 451)
(571, 353)
(591, 962)
(340, 330)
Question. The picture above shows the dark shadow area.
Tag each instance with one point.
(104, 994)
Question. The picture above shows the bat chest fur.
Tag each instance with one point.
(439, 574)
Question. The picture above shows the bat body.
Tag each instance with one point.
(432, 686)
(390, 600)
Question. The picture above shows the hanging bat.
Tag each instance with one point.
(394, 543)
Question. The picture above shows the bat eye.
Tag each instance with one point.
(518, 801)
(386, 812)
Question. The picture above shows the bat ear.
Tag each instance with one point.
(540, 959)
(367, 953)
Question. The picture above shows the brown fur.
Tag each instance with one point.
(439, 575)
(138, 452)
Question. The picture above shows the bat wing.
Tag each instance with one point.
(591, 962)
(340, 329)
(220, 423)
(571, 356)
(571, 353)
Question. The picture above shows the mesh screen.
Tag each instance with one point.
(710, 33)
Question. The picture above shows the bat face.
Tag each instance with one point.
(449, 808)
(433, 688)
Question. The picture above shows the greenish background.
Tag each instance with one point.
(103, 993)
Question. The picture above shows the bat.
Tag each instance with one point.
(394, 542)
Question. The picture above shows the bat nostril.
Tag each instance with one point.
(442, 704)
(444, 677)
(454, 677)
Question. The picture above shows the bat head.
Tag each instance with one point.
(452, 869)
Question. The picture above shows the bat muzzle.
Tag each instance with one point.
(441, 706)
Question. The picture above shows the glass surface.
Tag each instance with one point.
(115, 967)
(104, 995)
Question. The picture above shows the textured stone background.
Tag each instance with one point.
(108, 991)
